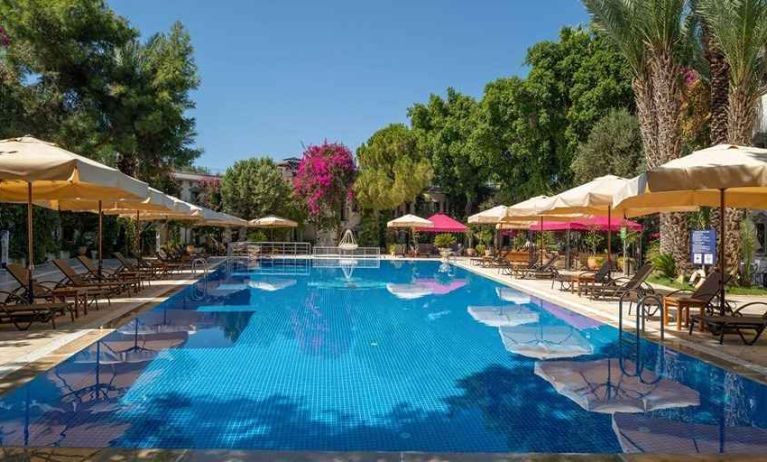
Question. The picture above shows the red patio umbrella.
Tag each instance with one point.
(444, 224)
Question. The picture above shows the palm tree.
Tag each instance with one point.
(649, 34)
(739, 29)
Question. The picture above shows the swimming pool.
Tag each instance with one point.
(418, 356)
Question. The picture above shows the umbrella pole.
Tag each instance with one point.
(30, 246)
(722, 265)
(101, 239)
(138, 237)
(609, 241)
(567, 257)
(540, 239)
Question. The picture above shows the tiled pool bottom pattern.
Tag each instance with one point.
(411, 356)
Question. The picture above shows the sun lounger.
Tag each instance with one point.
(49, 291)
(701, 298)
(15, 310)
(120, 276)
(616, 288)
(97, 289)
(544, 271)
(147, 269)
(424, 250)
(568, 281)
(737, 322)
(514, 261)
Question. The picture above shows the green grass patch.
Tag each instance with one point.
(731, 290)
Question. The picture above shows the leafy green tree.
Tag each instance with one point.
(392, 171)
(148, 103)
(613, 147)
(529, 129)
(445, 128)
(253, 188)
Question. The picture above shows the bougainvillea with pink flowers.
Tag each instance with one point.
(324, 181)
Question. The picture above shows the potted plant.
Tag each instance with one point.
(481, 249)
(485, 237)
(444, 242)
(592, 239)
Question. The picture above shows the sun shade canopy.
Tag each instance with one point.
(56, 173)
(442, 223)
(273, 221)
(489, 216)
(697, 180)
(410, 221)
(157, 201)
(592, 198)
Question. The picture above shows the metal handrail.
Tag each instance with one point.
(268, 249)
(338, 252)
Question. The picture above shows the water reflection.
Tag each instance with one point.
(507, 294)
(545, 341)
(271, 284)
(611, 385)
(646, 433)
(499, 316)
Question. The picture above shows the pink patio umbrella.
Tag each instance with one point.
(444, 224)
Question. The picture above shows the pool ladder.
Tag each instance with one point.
(646, 304)
(200, 262)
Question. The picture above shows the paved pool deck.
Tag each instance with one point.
(23, 354)
(749, 361)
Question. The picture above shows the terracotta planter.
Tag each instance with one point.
(82, 250)
(595, 261)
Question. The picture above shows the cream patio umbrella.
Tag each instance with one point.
(272, 222)
(594, 198)
(489, 216)
(522, 213)
(156, 202)
(31, 169)
(720, 176)
(411, 222)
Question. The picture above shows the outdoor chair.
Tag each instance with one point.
(97, 289)
(568, 281)
(737, 323)
(616, 288)
(146, 269)
(49, 291)
(702, 297)
(514, 261)
(120, 276)
(424, 250)
(544, 271)
(16, 310)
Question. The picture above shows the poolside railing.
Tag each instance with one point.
(340, 252)
(269, 249)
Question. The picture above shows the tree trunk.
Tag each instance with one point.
(741, 116)
(643, 97)
(667, 98)
(719, 70)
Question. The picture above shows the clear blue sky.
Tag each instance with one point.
(279, 73)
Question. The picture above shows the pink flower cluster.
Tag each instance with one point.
(690, 76)
(5, 40)
(325, 176)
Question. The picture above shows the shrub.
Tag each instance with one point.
(663, 262)
(444, 241)
(480, 248)
(749, 244)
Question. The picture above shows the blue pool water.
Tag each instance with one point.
(409, 356)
